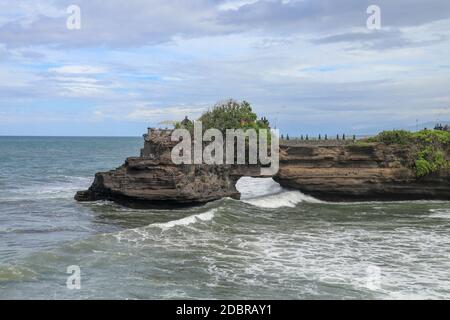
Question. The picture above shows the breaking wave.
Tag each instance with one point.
(284, 199)
(206, 216)
(266, 193)
(440, 213)
(143, 233)
(257, 187)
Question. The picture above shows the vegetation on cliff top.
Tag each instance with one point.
(230, 114)
(430, 148)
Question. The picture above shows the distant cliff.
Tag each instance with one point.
(345, 171)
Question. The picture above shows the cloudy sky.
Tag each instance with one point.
(311, 66)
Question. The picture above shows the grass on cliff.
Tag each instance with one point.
(430, 148)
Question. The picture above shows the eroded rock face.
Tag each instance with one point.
(145, 183)
(353, 172)
(328, 171)
(152, 180)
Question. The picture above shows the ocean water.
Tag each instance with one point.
(274, 243)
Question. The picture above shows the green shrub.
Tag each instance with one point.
(423, 168)
(404, 137)
(433, 136)
(431, 146)
(362, 143)
(394, 137)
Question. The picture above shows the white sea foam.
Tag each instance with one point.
(266, 193)
(143, 233)
(440, 213)
(206, 216)
(282, 199)
(256, 187)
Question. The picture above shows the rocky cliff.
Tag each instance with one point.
(329, 171)
(357, 172)
(147, 183)
(152, 180)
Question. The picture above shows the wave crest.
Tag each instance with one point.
(143, 233)
(206, 216)
(284, 199)
(266, 193)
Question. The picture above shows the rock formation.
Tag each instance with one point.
(152, 180)
(357, 172)
(345, 171)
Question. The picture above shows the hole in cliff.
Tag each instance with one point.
(256, 187)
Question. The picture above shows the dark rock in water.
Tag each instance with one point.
(144, 183)
(152, 180)
(343, 171)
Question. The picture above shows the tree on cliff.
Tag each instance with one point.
(231, 114)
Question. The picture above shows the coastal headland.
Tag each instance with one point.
(374, 170)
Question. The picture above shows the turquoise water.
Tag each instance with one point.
(274, 243)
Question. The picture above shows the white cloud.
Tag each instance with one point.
(301, 62)
(73, 69)
(169, 113)
(235, 4)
